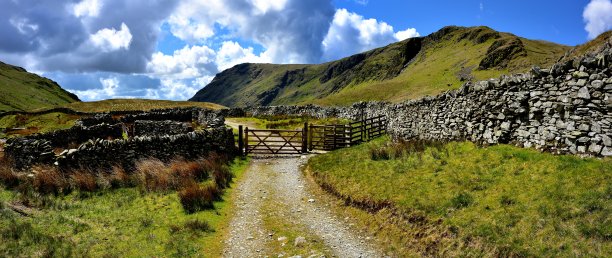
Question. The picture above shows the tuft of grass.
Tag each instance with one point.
(49, 180)
(457, 198)
(196, 198)
(84, 181)
(198, 226)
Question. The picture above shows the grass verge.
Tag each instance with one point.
(123, 222)
(459, 199)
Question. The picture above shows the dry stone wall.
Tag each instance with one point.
(564, 109)
(105, 153)
(167, 127)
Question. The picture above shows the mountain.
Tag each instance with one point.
(20, 90)
(404, 70)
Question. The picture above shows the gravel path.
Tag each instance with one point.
(279, 180)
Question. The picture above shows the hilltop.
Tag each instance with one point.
(404, 70)
(21, 90)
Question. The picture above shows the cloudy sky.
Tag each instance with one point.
(169, 49)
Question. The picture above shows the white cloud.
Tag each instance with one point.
(87, 8)
(408, 33)
(231, 53)
(598, 17)
(174, 89)
(264, 6)
(108, 90)
(189, 62)
(188, 30)
(481, 6)
(351, 33)
(109, 40)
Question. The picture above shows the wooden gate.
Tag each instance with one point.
(275, 141)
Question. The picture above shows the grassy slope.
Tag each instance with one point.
(124, 222)
(20, 90)
(518, 200)
(378, 74)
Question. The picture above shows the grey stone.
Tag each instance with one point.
(595, 148)
(300, 241)
(584, 93)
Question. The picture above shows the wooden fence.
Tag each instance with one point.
(273, 141)
(332, 137)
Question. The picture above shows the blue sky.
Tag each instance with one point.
(169, 49)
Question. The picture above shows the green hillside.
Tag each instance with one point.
(20, 90)
(408, 69)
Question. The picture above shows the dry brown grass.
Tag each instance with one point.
(196, 198)
(49, 180)
(7, 174)
(119, 178)
(84, 181)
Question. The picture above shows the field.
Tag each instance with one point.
(121, 222)
(457, 198)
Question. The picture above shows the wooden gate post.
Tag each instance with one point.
(246, 141)
(240, 141)
(310, 133)
(305, 138)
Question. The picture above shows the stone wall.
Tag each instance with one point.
(105, 153)
(167, 127)
(79, 134)
(101, 153)
(564, 109)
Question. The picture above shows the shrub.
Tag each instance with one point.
(84, 181)
(49, 180)
(198, 226)
(185, 172)
(196, 198)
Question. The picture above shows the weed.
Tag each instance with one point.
(379, 153)
(507, 200)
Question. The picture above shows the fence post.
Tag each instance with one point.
(246, 141)
(305, 138)
(240, 141)
(310, 138)
(334, 147)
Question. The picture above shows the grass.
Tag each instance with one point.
(32, 124)
(20, 90)
(120, 222)
(457, 198)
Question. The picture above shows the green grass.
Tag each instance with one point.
(124, 222)
(501, 199)
(135, 104)
(36, 123)
(20, 90)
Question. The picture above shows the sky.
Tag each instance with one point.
(170, 49)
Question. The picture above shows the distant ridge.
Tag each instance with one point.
(404, 70)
